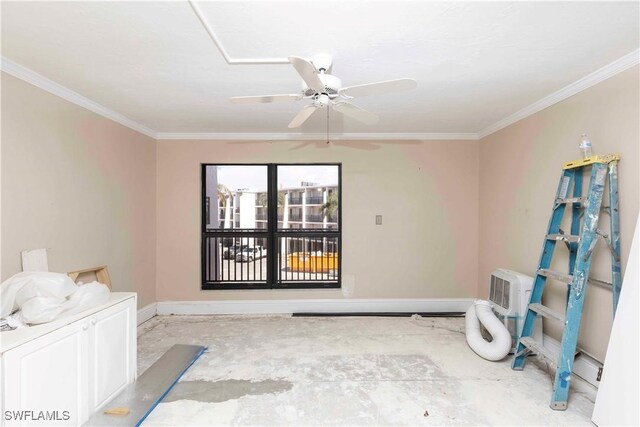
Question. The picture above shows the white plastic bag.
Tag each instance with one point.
(87, 296)
(42, 309)
(21, 287)
(43, 297)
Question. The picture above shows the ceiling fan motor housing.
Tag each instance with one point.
(321, 100)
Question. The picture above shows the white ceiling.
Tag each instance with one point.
(475, 63)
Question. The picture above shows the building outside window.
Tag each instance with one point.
(277, 226)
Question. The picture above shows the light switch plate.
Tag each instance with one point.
(378, 219)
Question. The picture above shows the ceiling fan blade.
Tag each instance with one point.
(302, 116)
(264, 99)
(350, 110)
(308, 72)
(302, 145)
(378, 88)
(358, 145)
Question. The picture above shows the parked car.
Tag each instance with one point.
(250, 254)
(231, 251)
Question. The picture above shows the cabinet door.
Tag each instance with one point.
(45, 380)
(113, 348)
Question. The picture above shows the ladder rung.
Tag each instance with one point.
(601, 283)
(538, 348)
(562, 277)
(571, 200)
(569, 238)
(547, 312)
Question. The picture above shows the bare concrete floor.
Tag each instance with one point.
(281, 370)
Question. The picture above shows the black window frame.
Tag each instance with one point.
(272, 234)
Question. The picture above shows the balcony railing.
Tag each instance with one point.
(300, 260)
(314, 200)
(295, 217)
(315, 218)
(295, 200)
(308, 259)
(235, 260)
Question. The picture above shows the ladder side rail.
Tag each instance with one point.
(545, 261)
(578, 287)
(614, 215)
(576, 215)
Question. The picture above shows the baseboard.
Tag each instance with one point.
(428, 305)
(584, 366)
(147, 312)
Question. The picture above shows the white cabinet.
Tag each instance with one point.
(113, 364)
(48, 374)
(61, 373)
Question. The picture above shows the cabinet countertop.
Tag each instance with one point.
(12, 339)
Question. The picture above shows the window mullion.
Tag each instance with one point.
(272, 225)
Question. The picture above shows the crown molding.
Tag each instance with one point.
(586, 82)
(38, 80)
(284, 136)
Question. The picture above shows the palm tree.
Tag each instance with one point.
(263, 200)
(223, 195)
(330, 208)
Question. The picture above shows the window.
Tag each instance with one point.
(271, 226)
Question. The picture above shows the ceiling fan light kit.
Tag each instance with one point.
(325, 90)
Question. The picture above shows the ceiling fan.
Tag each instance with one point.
(325, 91)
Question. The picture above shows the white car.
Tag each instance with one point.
(230, 252)
(250, 254)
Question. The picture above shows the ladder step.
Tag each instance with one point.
(571, 200)
(562, 277)
(538, 348)
(569, 238)
(547, 312)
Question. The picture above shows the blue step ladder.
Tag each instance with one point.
(581, 242)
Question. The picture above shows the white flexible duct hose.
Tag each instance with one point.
(498, 348)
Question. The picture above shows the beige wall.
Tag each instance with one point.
(426, 191)
(78, 184)
(521, 166)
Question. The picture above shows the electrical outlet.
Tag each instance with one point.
(378, 219)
